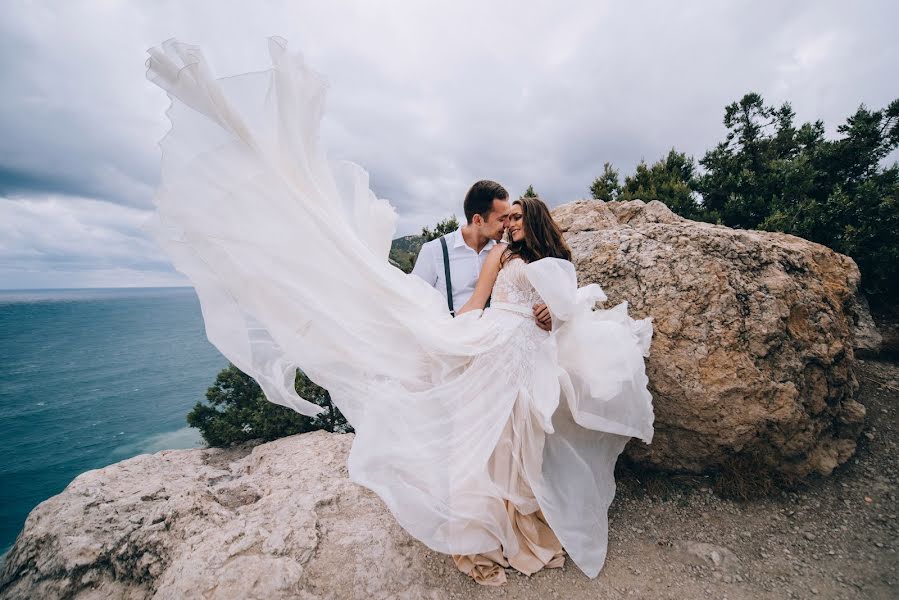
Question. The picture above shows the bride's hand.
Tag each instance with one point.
(543, 317)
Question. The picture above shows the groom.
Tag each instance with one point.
(453, 262)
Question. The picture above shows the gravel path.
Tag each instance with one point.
(837, 537)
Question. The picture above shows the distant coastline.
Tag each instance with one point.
(124, 287)
(12, 296)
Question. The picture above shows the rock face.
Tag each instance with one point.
(868, 338)
(888, 328)
(284, 521)
(754, 335)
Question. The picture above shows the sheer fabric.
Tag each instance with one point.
(288, 254)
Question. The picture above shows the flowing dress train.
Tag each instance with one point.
(487, 438)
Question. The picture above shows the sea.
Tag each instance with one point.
(89, 377)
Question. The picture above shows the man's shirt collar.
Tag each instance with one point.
(459, 241)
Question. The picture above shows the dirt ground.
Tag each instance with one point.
(836, 537)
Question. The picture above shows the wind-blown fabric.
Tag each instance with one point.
(288, 253)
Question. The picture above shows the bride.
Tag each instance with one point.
(488, 438)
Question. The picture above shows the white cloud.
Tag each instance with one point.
(431, 96)
(58, 241)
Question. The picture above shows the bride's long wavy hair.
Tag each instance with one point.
(542, 236)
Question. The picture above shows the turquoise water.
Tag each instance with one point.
(91, 377)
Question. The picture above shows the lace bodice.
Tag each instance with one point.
(512, 285)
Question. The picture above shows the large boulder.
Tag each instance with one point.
(754, 335)
(283, 521)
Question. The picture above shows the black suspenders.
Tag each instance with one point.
(446, 272)
(449, 280)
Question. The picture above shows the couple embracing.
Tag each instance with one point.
(464, 265)
(475, 270)
(453, 262)
(492, 435)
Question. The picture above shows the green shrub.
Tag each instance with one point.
(237, 411)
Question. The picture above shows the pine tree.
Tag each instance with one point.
(606, 187)
(440, 229)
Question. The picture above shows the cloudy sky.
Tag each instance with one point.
(427, 96)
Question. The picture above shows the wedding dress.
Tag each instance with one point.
(487, 438)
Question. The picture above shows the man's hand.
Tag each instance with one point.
(544, 319)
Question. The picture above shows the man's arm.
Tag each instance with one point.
(425, 265)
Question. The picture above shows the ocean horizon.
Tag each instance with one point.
(90, 377)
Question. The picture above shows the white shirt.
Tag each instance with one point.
(465, 266)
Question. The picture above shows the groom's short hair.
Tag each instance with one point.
(479, 199)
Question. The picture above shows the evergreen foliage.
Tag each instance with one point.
(772, 174)
(442, 228)
(237, 411)
(606, 186)
(404, 250)
(671, 180)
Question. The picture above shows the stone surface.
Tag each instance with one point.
(712, 555)
(868, 338)
(888, 326)
(754, 335)
(284, 521)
